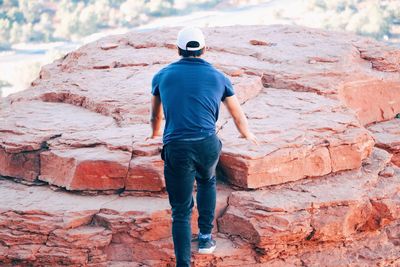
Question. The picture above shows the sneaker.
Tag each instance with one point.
(206, 245)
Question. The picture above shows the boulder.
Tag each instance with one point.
(301, 135)
(387, 136)
(353, 78)
(40, 226)
(286, 219)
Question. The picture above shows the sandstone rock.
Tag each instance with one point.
(80, 237)
(146, 173)
(110, 77)
(85, 168)
(20, 166)
(387, 136)
(342, 55)
(43, 227)
(89, 153)
(372, 249)
(301, 134)
(333, 208)
(350, 73)
(379, 102)
(24, 135)
(233, 252)
(331, 199)
(382, 58)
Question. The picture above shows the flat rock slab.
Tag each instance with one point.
(87, 113)
(301, 134)
(285, 219)
(387, 136)
(285, 225)
(360, 71)
(380, 248)
(40, 226)
(26, 127)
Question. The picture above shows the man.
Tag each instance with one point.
(189, 92)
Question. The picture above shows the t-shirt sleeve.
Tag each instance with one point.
(154, 85)
(229, 91)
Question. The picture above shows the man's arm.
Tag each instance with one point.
(233, 106)
(156, 116)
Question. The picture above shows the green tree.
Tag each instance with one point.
(67, 18)
(45, 27)
(5, 26)
(369, 21)
(16, 33)
(30, 10)
(87, 21)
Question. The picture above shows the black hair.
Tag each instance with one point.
(190, 53)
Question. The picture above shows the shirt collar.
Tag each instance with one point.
(193, 59)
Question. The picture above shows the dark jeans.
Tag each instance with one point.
(185, 161)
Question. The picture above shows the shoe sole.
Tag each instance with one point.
(207, 250)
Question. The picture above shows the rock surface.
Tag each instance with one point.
(285, 225)
(316, 191)
(332, 209)
(44, 227)
(301, 135)
(354, 77)
(387, 136)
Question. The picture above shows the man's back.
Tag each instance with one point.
(191, 91)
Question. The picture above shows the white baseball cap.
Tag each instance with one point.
(189, 34)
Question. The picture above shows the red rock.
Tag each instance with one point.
(41, 226)
(81, 237)
(18, 165)
(22, 253)
(3, 253)
(51, 256)
(306, 135)
(107, 46)
(146, 174)
(258, 42)
(309, 212)
(387, 136)
(82, 125)
(233, 252)
(382, 58)
(85, 168)
(113, 84)
(374, 249)
(380, 99)
(24, 136)
(15, 237)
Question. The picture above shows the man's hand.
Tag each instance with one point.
(233, 106)
(252, 138)
(152, 136)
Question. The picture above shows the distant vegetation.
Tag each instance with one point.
(69, 20)
(54, 20)
(366, 17)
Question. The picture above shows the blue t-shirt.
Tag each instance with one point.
(191, 91)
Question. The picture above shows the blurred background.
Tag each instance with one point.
(34, 33)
